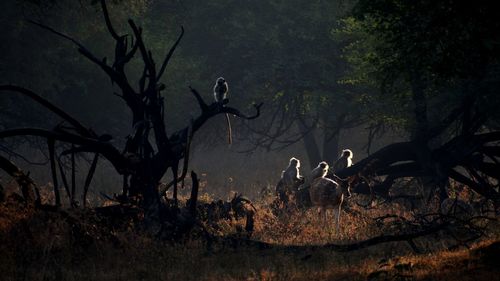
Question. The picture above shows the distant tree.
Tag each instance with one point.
(435, 65)
(282, 52)
(421, 54)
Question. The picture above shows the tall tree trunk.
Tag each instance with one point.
(436, 180)
(147, 185)
(331, 147)
(152, 208)
(420, 103)
(310, 144)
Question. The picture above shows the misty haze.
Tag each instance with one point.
(249, 140)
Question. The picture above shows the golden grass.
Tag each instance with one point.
(48, 246)
(305, 227)
(463, 264)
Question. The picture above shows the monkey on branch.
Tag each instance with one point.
(221, 90)
(141, 166)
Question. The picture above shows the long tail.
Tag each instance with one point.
(229, 130)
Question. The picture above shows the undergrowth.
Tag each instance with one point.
(79, 244)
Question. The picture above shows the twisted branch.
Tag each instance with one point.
(50, 106)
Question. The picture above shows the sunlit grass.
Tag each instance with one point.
(49, 246)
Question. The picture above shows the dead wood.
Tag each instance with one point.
(141, 162)
(27, 185)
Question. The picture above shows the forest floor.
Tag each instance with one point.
(78, 244)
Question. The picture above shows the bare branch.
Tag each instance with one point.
(186, 160)
(203, 105)
(118, 78)
(106, 149)
(169, 55)
(149, 64)
(108, 21)
(490, 169)
(237, 113)
(78, 126)
(89, 177)
(484, 191)
(396, 152)
(488, 137)
(353, 246)
(73, 177)
(12, 153)
(58, 33)
(194, 194)
(132, 52)
(51, 144)
(64, 180)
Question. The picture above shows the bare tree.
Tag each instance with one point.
(150, 151)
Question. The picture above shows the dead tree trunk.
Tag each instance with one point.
(141, 162)
(469, 153)
(310, 144)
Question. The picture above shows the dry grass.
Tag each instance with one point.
(46, 245)
(306, 228)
